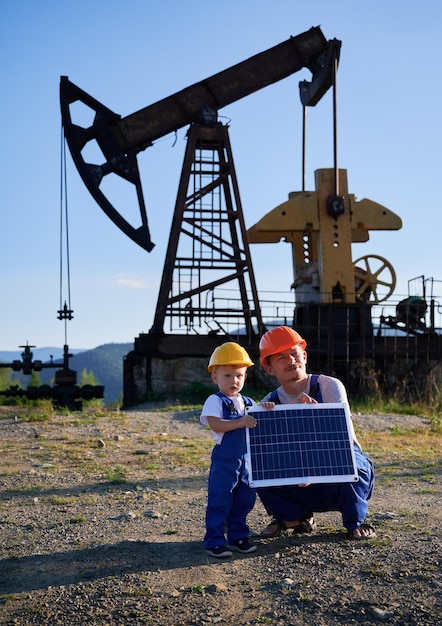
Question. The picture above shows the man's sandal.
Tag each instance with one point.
(370, 532)
(277, 527)
(274, 529)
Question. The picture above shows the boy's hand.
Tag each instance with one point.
(247, 421)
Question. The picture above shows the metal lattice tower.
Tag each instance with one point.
(208, 285)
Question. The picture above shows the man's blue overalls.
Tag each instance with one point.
(229, 499)
(291, 502)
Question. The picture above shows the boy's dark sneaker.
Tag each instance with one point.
(220, 552)
(242, 545)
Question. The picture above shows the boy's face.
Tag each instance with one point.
(289, 365)
(229, 378)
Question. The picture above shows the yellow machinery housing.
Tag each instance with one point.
(324, 271)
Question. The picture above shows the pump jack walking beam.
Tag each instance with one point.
(120, 139)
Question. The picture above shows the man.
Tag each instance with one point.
(283, 355)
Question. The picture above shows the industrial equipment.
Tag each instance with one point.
(321, 243)
(65, 392)
(411, 312)
(208, 244)
(208, 248)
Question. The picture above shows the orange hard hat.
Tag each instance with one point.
(277, 340)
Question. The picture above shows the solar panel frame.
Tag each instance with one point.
(300, 443)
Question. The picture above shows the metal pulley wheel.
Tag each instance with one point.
(375, 278)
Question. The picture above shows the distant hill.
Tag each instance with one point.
(40, 354)
(105, 362)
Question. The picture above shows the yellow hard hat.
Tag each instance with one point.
(277, 340)
(229, 353)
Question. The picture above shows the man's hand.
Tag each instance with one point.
(304, 398)
(267, 405)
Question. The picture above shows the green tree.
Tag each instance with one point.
(6, 382)
(88, 378)
(5, 378)
(34, 379)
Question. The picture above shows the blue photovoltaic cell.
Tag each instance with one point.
(298, 443)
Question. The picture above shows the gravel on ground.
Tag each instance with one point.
(102, 523)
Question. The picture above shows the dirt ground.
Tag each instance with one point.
(102, 519)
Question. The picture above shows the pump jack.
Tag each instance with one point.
(209, 244)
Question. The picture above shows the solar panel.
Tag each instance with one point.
(299, 443)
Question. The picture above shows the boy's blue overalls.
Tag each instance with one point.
(229, 499)
(291, 502)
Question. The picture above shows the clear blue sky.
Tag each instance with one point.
(131, 54)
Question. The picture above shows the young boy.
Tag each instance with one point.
(230, 498)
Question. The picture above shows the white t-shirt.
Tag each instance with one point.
(332, 390)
